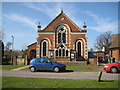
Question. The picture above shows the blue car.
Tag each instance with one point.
(45, 64)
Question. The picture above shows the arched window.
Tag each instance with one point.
(44, 48)
(79, 48)
(63, 52)
(59, 52)
(59, 37)
(66, 52)
(56, 52)
(64, 37)
(61, 34)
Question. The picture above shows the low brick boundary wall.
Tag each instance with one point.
(93, 61)
(73, 62)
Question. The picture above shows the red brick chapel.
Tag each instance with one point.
(61, 40)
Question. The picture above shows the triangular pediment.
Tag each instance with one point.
(61, 46)
(62, 18)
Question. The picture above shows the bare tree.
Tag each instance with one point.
(103, 40)
(7, 50)
(8, 46)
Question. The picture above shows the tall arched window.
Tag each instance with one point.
(61, 34)
(66, 52)
(63, 52)
(79, 48)
(64, 37)
(56, 52)
(44, 48)
(59, 37)
(59, 52)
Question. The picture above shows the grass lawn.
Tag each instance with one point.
(81, 68)
(22, 82)
(84, 67)
(9, 67)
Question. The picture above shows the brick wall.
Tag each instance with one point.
(116, 54)
(31, 47)
(93, 61)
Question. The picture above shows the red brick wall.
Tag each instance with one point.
(50, 33)
(100, 54)
(116, 54)
(58, 20)
(31, 47)
(93, 61)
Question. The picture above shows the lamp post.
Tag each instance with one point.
(103, 49)
(12, 50)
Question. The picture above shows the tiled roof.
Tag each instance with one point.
(32, 44)
(115, 41)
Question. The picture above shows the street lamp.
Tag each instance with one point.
(12, 49)
(103, 49)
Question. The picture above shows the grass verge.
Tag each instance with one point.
(9, 67)
(84, 67)
(22, 82)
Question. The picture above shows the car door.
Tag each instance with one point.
(38, 64)
(47, 65)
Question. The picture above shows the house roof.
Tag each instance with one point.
(32, 44)
(57, 20)
(115, 41)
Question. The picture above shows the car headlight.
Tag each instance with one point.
(105, 66)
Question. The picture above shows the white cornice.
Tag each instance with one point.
(46, 33)
(54, 33)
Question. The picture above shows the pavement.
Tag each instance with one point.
(21, 67)
(61, 75)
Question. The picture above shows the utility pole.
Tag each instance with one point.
(12, 50)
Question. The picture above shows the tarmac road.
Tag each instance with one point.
(60, 75)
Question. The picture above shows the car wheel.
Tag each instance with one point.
(32, 69)
(114, 70)
(56, 69)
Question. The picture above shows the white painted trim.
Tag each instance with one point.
(77, 33)
(46, 33)
(58, 31)
(64, 25)
(62, 52)
(81, 47)
(37, 49)
(67, 30)
(46, 48)
(47, 39)
(83, 42)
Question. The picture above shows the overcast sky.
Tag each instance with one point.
(20, 19)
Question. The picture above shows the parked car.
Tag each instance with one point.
(45, 64)
(100, 59)
(112, 67)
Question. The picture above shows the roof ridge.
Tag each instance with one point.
(72, 22)
(66, 17)
(53, 20)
